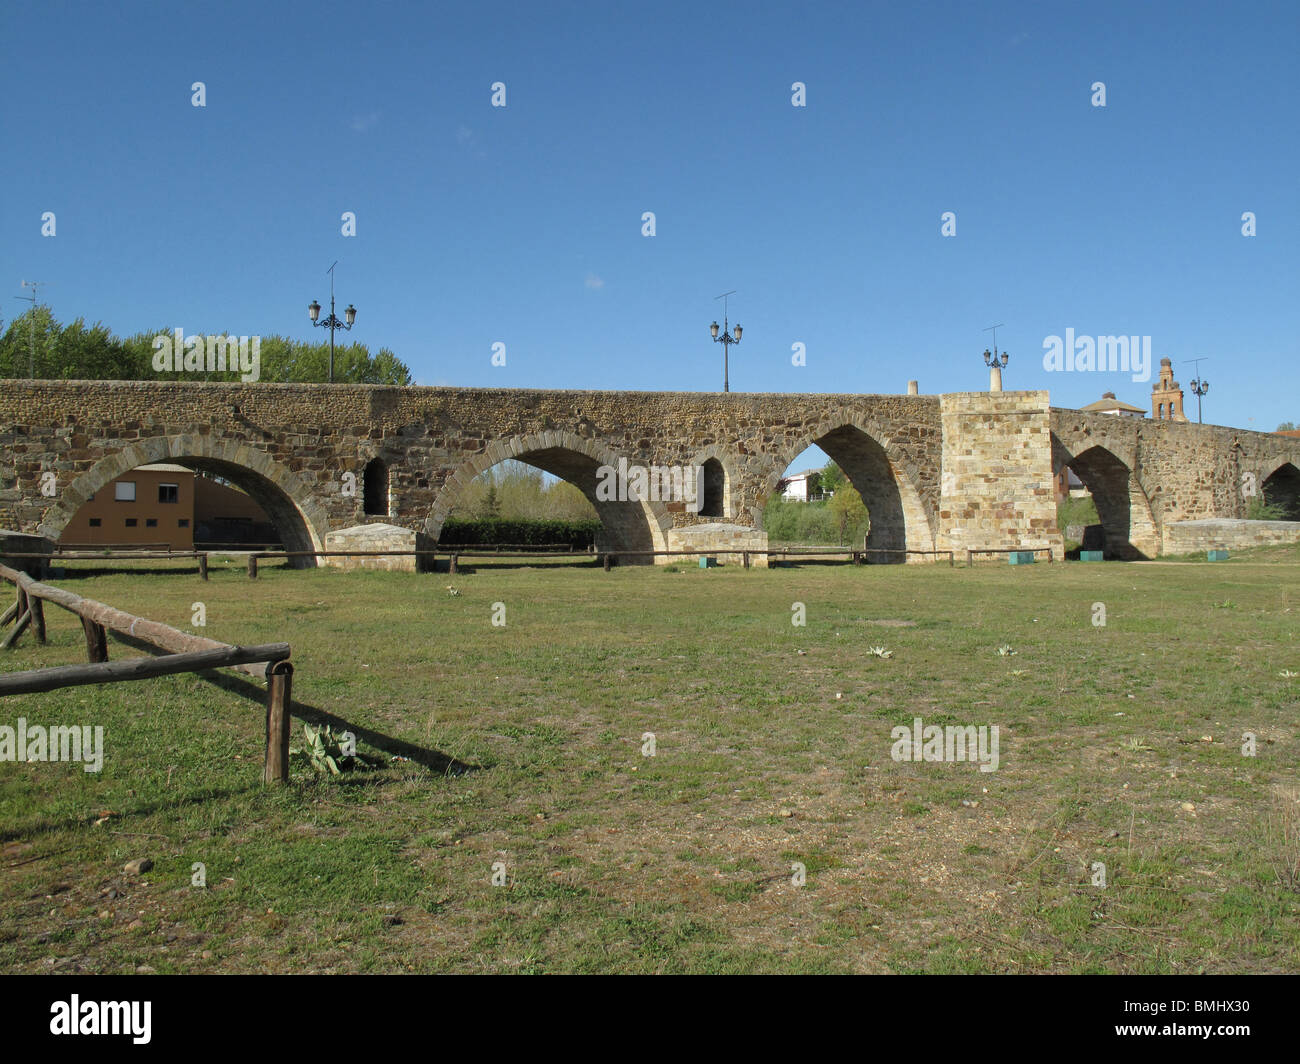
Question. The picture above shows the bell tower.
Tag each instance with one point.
(1166, 395)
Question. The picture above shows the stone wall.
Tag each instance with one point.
(997, 472)
(970, 469)
(722, 541)
(1193, 537)
(379, 537)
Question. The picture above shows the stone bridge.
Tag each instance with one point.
(970, 469)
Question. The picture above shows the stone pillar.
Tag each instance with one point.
(996, 478)
(912, 388)
(995, 379)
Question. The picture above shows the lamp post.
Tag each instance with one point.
(332, 322)
(726, 339)
(1199, 388)
(996, 366)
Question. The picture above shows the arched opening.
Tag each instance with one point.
(1282, 490)
(1127, 530)
(374, 488)
(187, 504)
(626, 524)
(259, 497)
(894, 519)
(714, 503)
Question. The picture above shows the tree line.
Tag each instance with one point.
(37, 345)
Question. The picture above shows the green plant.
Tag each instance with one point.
(1259, 509)
(325, 750)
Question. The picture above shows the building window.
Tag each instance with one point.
(184, 522)
(95, 522)
(131, 522)
(169, 493)
(151, 522)
(124, 491)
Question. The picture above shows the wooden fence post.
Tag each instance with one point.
(451, 565)
(279, 689)
(252, 567)
(96, 641)
(23, 621)
(38, 617)
(203, 566)
(746, 559)
(605, 560)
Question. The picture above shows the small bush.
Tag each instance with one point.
(1259, 509)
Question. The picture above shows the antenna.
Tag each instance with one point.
(31, 331)
(995, 329)
(723, 297)
(330, 271)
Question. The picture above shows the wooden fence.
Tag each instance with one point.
(605, 558)
(181, 652)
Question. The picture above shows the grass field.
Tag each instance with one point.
(523, 745)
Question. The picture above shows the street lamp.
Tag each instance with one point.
(726, 340)
(1199, 388)
(996, 366)
(332, 322)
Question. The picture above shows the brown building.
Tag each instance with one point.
(1166, 395)
(152, 504)
(167, 506)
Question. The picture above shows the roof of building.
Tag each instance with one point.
(1287, 432)
(1109, 402)
(801, 476)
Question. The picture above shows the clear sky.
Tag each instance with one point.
(523, 224)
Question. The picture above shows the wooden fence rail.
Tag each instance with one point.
(182, 652)
(605, 558)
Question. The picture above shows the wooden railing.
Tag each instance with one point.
(182, 652)
(857, 555)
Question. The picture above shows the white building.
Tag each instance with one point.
(802, 487)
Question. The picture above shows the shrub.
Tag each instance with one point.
(1258, 509)
(578, 534)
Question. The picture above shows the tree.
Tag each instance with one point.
(848, 512)
(1286, 426)
(832, 477)
(30, 344)
(82, 352)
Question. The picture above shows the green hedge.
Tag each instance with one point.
(581, 534)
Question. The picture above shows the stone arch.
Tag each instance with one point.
(1282, 488)
(283, 495)
(717, 481)
(1128, 523)
(374, 489)
(626, 525)
(899, 518)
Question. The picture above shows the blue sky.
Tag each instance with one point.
(523, 224)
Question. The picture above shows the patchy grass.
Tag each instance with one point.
(524, 747)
